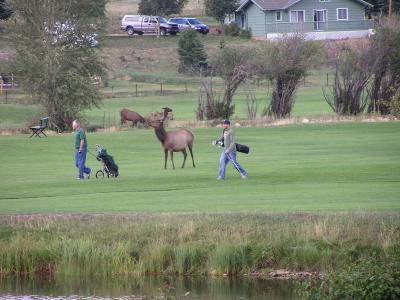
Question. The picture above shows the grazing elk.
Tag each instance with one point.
(128, 115)
(172, 141)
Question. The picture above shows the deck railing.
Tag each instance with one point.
(287, 27)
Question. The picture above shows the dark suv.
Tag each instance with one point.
(190, 23)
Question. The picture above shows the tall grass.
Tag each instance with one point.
(231, 259)
(190, 259)
(107, 245)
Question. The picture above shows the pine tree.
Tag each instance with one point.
(161, 7)
(5, 10)
(382, 6)
(191, 52)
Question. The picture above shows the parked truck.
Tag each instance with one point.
(140, 24)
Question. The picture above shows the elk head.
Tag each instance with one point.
(166, 111)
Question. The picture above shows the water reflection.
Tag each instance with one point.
(147, 288)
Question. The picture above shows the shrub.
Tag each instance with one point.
(366, 279)
(384, 57)
(232, 29)
(395, 105)
(285, 63)
(246, 33)
(347, 95)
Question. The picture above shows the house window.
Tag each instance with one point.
(297, 16)
(278, 16)
(342, 14)
(320, 19)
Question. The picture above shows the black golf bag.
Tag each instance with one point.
(110, 167)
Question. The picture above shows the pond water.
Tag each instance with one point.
(147, 288)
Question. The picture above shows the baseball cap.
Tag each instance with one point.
(226, 121)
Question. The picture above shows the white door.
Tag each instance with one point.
(320, 19)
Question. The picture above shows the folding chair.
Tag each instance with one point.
(38, 130)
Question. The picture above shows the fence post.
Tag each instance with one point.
(104, 120)
(112, 91)
(136, 90)
(186, 90)
(327, 78)
(161, 88)
(5, 102)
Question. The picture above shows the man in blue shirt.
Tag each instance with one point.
(80, 150)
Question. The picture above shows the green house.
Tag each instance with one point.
(316, 19)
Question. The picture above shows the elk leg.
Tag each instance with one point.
(166, 157)
(172, 159)
(184, 157)
(191, 153)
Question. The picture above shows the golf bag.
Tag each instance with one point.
(239, 147)
(109, 164)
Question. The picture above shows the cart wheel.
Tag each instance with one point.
(107, 173)
(99, 174)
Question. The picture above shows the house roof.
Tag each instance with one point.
(280, 4)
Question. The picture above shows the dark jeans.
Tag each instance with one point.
(80, 160)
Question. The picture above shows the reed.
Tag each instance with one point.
(197, 244)
(190, 259)
(230, 259)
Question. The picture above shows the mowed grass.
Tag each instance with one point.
(352, 166)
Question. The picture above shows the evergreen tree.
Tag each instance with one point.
(191, 52)
(382, 6)
(161, 7)
(5, 10)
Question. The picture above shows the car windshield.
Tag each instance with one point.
(162, 20)
(194, 22)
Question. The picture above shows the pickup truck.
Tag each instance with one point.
(147, 24)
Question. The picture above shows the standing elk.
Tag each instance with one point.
(172, 141)
(128, 115)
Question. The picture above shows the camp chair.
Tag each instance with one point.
(38, 130)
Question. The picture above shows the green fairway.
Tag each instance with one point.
(352, 166)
